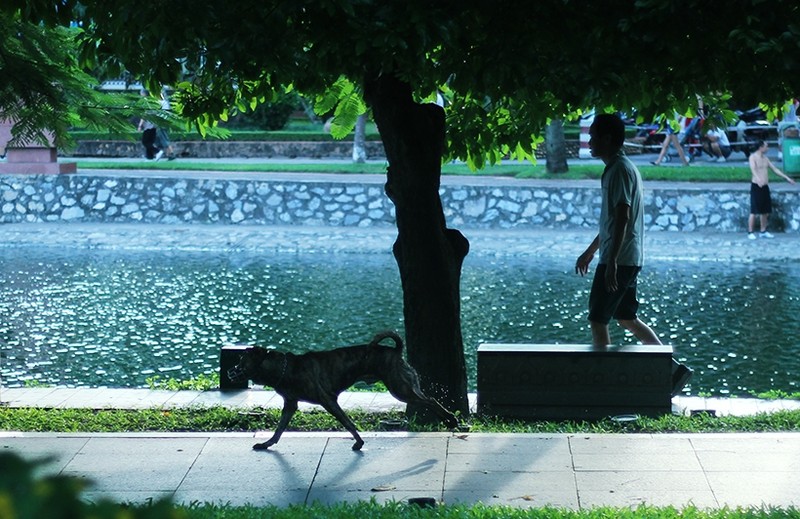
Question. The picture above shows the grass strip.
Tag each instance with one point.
(222, 419)
(732, 173)
(396, 510)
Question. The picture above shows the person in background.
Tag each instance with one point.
(149, 135)
(162, 137)
(671, 137)
(789, 126)
(717, 145)
(760, 198)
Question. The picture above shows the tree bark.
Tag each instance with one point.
(360, 140)
(428, 254)
(556, 147)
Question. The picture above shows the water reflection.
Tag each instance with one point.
(116, 318)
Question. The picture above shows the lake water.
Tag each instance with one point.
(81, 317)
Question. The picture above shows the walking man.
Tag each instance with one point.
(760, 199)
(620, 242)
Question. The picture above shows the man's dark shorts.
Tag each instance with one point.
(760, 200)
(621, 304)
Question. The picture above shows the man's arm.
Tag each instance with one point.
(622, 214)
(779, 172)
(582, 264)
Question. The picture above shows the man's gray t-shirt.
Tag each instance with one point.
(622, 184)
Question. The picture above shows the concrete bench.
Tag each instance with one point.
(574, 381)
(30, 158)
(228, 358)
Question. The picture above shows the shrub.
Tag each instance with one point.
(24, 496)
(267, 116)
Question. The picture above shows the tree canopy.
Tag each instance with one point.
(44, 91)
(505, 67)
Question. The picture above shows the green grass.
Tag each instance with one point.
(221, 419)
(511, 170)
(399, 510)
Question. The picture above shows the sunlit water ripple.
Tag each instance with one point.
(115, 318)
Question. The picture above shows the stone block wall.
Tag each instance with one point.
(513, 204)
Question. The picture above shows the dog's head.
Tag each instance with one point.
(252, 365)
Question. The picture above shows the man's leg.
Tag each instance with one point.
(764, 222)
(600, 335)
(751, 223)
(601, 308)
(640, 330)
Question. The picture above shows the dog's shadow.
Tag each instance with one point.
(290, 475)
(356, 465)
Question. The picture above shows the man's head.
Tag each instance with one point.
(606, 135)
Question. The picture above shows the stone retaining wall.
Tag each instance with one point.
(78, 198)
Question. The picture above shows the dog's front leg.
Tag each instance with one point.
(332, 406)
(289, 408)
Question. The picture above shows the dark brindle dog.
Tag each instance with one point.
(319, 378)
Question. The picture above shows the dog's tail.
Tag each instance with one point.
(398, 342)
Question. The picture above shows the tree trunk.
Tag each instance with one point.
(360, 140)
(428, 254)
(556, 147)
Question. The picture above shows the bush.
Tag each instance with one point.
(267, 116)
(23, 496)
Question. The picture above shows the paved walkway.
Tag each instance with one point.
(523, 470)
(575, 471)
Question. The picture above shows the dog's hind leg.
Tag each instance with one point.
(403, 384)
(289, 408)
(332, 406)
(446, 416)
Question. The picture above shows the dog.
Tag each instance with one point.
(319, 378)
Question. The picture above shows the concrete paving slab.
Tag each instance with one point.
(624, 461)
(642, 481)
(55, 453)
(103, 398)
(755, 488)
(356, 400)
(19, 396)
(135, 464)
(743, 443)
(512, 487)
(505, 443)
(629, 443)
(181, 399)
(231, 465)
(632, 499)
(413, 464)
(40, 397)
(748, 454)
(633, 452)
